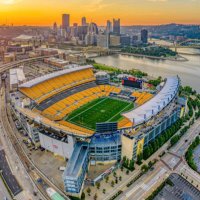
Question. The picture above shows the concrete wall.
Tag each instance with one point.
(127, 147)
(56, 146)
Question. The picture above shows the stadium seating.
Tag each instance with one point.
(142, 97)
(124, 123)
(62, 108)
(62, 126)
(75, 127)
(48, 88)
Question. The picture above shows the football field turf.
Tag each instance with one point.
(99, 110)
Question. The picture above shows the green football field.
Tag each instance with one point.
(99, 110)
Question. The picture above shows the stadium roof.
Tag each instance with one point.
(25, 37)
(41, 79)
(149, 109)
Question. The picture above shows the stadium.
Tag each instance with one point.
(85, 118)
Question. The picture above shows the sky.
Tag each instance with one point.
(131, 12)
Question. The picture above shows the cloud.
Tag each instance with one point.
(94, 5)
(9, 2)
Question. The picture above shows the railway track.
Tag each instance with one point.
(7, 127)
(7, 120)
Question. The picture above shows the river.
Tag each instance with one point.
(188, 71)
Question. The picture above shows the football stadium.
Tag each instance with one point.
(85, 118)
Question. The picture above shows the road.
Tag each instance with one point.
(15, 164)
(3, 191)
(144, 186)
(21, 158)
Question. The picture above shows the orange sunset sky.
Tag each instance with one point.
(131, 12)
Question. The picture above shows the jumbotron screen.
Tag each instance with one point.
(132, 83)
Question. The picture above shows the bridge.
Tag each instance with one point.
(188, 43)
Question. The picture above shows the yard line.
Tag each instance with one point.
(88, 108)
(118, 112)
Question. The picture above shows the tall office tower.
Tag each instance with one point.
(116, 26)
(74, 30)
(144, 36)
(108, 26)
(65, 21)
(84, 23)
(55, 27)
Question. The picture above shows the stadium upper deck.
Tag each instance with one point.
(152, 107)
(47, 86)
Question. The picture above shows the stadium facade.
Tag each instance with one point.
(43, 105)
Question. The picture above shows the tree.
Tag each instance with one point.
(88, 191)
(146, 152)
(107, 179)
(98, 185)
(127, 171)
(120, 178)
(114, 174)
(139, 159)
(83, 196)
(95, 196)
(104, 191)
(131, 165)
(144, 168)
(112, 183)
(124, 159)
(116, 180)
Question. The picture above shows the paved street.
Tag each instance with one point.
(3, 191)
(16, 166)
(150, 181)
(8, 175)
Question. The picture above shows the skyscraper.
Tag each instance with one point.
(116, 26)
(144, 36)
(65, 21)
(84, 22)
(55, 27)
(108, 26)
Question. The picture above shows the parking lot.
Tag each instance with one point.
(180, 189)
(46, 161)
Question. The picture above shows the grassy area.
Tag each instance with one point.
(99, 110)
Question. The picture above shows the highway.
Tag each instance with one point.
(7, 66)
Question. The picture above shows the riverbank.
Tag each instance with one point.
(172, 58)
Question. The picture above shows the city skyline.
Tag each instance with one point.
(134, 12)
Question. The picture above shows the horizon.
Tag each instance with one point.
(132, 12)
(122, 25)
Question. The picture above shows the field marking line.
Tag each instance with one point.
(119, 112)
(88, 108)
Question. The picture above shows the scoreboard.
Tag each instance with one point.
(106, 127)
(132, 82)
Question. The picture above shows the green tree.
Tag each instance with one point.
(88, 191)
(144, 168)
(95, 196)
(98, 185)
(131, 165)
(114, 174)
(104, 191)
(83, 196)
(112, 183)
(107, 179)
